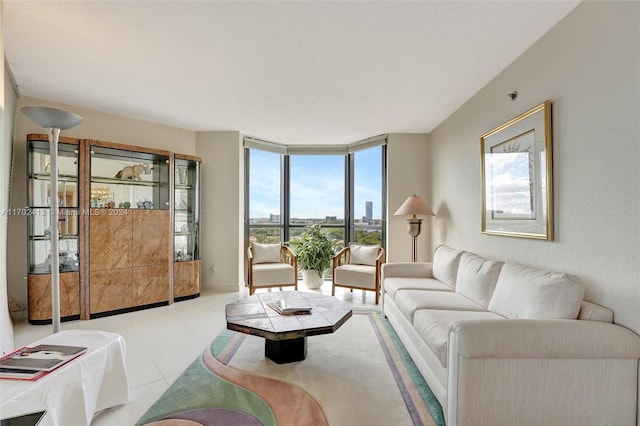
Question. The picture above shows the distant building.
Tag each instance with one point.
(274, 218)
(368, 211)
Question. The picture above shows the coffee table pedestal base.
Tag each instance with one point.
(284, 351)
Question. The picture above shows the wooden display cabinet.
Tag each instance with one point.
(119, 229)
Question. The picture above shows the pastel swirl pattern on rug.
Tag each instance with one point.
(208, 417)
(199, 388)
(291, 405)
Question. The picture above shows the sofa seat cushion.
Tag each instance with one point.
(409, 301)
(529, 293)
(433, 327)
(393, 284)
(363, 276)
(445, 264)
(267, 274)
(477, 277)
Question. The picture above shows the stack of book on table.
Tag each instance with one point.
(290, 307)
(31, 363)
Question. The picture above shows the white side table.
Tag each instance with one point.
(72, 394)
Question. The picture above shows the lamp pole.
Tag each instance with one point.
(414, 227)
(54, 120)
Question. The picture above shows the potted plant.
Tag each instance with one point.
(315, 253)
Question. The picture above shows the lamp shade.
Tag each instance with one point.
(414, 206)
(51, 117)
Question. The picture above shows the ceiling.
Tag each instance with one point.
(295, 72)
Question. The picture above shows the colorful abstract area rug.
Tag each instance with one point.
(359, 375)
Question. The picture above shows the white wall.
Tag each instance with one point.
(8, 99)
(96, 125)
(591, 73)
(407, 174)
(223, 208)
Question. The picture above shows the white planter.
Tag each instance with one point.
(311, 279)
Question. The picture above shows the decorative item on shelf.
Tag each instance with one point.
(54, 120)
(414, 206)
(181, 175)
(124, 205)
(315, 252)
(99, 196)
(132, 172)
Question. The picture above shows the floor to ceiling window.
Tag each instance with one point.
(316, 194)
(342, 192)
(368, 205)
(264, 188)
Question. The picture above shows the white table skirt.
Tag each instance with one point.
(72, 394)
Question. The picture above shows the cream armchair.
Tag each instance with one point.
(271, 265)
(358, 266)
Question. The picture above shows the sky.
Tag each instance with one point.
(317, 184)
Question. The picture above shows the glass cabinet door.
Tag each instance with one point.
(186, 210)
(38, 211)
(123, 179)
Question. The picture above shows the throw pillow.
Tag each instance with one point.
(363, 255)
(523, 292)
(266, 253)
(477, 277)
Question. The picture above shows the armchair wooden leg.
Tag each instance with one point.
(333, 290)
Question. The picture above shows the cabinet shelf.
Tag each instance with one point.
(46, 237)
(116, 181)
(47, 177)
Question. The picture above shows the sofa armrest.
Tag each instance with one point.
(558, 372)
(407, 269)
(527, 338)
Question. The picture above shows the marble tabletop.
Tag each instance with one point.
(253, 316)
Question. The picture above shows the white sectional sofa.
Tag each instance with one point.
(505, 344)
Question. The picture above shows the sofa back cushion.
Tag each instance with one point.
(523, 292)
(477, 277)
(445, 264)
(266, 253)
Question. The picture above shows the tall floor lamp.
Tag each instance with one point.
(414, 206)
(54, 120)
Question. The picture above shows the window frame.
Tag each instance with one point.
(348, 151)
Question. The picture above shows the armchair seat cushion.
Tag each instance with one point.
(271, 274)
(363, 276)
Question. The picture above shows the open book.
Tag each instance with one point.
(290, 307)
(30, 363)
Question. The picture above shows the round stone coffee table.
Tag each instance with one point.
(286, 335)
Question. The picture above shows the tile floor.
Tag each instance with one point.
(162, 342)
